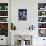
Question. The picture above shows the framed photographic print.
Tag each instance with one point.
(22, 14)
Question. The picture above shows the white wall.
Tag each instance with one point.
(32, 14)
(31, 7)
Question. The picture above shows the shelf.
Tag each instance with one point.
(41, 28)
(3, 10)
(3, 22)
(3, 16)
(42, 19)
(42, 37)
(4, 19)
(41, 22)
(42, 16)
(41, 10)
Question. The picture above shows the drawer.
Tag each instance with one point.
(3, 41)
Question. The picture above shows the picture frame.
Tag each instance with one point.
(22, 14)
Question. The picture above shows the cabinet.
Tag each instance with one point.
(42, 19)
(3, 40)
(4, 22)
(4, 19)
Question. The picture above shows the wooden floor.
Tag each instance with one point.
(3, 45)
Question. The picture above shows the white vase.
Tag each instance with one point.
(22, 43)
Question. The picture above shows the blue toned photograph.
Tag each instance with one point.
(22, 13)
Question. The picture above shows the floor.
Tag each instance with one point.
(3, 45)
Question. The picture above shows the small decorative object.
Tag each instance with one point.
(22, 13)
(41, 25)
(0, 7)
(31, 27)
(41, 8)
(6, 7)
(43, 39)
(3, 19)
(42, 32)
(13, 27)
(43, 13)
